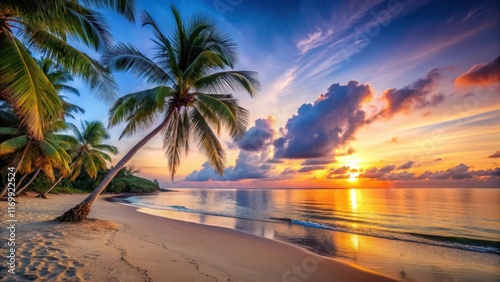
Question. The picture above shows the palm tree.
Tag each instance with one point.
(89, 154)
(38, 155)
(192, 97)
(44, 27)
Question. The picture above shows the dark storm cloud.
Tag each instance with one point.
(310, 168)
(377, 172)
(495, 155)
(398, 176)
(320, 128)
(248, 166)
(461, 171)
(324, 161)
(258, 137)
(340, 170)
(406, 165)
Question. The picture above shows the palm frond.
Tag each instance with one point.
(139, 109)
(68, 142)
(124, 7)
(93, 132)
(165, 53)
(72, 108)
(207, 141)
(14, 144)
(89, 165)
(125, 57)
(229, 81)
(67, 88)
(99, 161)
(226, 109)
(78, 63)
(205, 60)
(8, 118)
(76, 131)
(106, 148)
(85, 25)
(50, 152)
(101, 155)
(26, 87)
(176, 139)
(220, 41)
(11, 131)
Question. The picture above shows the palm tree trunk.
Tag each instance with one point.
(17, 167)
(44, 194)
(21, 179)
(82, 210)
(29, 182)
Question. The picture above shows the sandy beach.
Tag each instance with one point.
(121, 244)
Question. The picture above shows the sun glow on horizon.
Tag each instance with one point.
(353, 164)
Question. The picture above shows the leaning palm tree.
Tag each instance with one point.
(90, 153)
(192, 71)
(44, 27)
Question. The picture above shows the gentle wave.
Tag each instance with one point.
(463, 243)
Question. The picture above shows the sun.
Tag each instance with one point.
(353, 164)
(353, 177)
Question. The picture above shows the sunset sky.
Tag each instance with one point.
(354, 94)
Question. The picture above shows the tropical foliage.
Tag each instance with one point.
(45, 27)
(46, 155)
(59, 77)
(122, 183)
(88, 153)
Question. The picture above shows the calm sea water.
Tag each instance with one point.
(410, 234)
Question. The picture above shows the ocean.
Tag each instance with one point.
(411, 234)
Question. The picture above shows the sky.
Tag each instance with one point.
(371, 94)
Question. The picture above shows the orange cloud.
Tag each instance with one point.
(481, 74)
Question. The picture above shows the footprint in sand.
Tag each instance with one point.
(51, 258)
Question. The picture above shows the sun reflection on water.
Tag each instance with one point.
(353, 199)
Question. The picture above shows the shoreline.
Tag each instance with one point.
(404, 260)
(121, 243)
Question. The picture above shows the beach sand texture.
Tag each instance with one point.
(121, 244)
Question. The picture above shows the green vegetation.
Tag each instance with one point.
(43, 27)
(88, 153)
(125, 182)
(32, 111)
